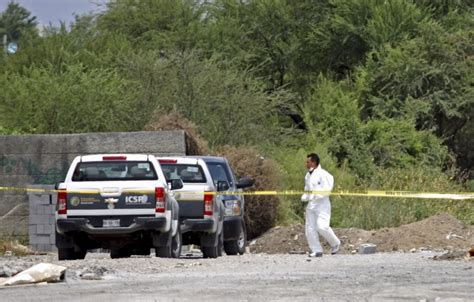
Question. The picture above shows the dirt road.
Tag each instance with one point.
(253, 277)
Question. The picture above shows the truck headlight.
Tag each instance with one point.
(233, 208)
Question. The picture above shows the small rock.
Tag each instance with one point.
(8, 254)
(296, 237)
(90, 276)
(253, 242)
(350, 246)
(367, 248)
(413, 250)
(354, 252)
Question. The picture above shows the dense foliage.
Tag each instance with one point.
(383, 90)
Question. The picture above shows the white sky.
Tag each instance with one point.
(53, 11)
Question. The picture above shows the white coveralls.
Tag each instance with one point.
(318, 211)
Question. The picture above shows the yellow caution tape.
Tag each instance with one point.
(366, 193)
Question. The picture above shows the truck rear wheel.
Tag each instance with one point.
(66, 254)
(215, 250)
(176, 244)
(163, 251)
(81, 254)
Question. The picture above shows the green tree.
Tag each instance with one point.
(16, 20)
(41, 100)
(165, 25)
(229, 105)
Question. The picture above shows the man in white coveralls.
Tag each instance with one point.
(318, 211)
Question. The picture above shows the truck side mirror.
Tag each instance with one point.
(222, 185)
(245, 182)
(175, 183)
(56, 185)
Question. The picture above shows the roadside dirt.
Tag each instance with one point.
(437, 233)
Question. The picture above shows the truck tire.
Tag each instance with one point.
(234, 247)
(209, 252)
(220, 244)
(163, 251)
(213, 251)
(66, 254)
(81, 254)
(176, 244)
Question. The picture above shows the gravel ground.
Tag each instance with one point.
(251, 277)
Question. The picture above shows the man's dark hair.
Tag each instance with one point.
(314, 158)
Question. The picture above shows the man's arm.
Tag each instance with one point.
(305, 196)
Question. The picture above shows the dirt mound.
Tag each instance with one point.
(439, 232)
(195, 143)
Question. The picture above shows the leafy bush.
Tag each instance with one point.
(42, 101)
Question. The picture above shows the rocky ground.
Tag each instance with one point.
(252, 277)
(275, 269)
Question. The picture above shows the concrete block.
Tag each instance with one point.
(40, 239)
(39, 229)
(32, 229)
(36, 219)
(367, 248)
(48, 229)
(44, 247)
(46, 209)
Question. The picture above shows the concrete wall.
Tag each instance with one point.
(28, 160)
(42, 207)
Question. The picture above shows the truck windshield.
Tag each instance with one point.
(187, 173)
(114, 170)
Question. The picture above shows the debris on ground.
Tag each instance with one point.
(455, 255)
(42, 272)
(93, 273)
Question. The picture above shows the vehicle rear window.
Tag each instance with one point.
(187, 173)
(114, 170)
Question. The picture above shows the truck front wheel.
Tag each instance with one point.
(234, 247)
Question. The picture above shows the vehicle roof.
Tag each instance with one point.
(100, 157)
(179, 159)
(209, 158)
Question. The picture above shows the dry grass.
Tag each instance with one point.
(195, 143)
(14, 248)
(261, 211)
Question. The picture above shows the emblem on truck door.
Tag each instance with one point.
(111, 202)
(75, 201)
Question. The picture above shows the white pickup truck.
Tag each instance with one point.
(118, 202)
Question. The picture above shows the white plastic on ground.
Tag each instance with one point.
(42, 272)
